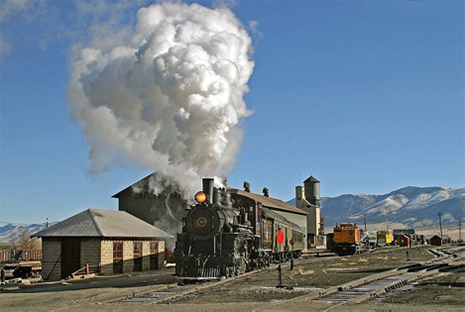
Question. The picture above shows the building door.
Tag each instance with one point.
(70, 256)
(153, 255)
(117, 257)
(137, 256)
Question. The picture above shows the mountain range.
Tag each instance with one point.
(12, 232)
(408, 207)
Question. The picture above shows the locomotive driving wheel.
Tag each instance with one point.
(241, 266)
(265, 260)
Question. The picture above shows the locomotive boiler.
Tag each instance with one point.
(226, 233)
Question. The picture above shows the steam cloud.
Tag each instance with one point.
(167, 95)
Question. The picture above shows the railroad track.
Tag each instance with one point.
(174, 292)
(372, 286)
(366, 291)
(160, 294)
(352, 292)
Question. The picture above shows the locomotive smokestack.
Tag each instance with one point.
(207, 184)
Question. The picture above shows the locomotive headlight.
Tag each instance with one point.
(200, 197)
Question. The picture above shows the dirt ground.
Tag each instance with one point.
(255, 291)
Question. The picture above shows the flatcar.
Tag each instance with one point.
(225, 234)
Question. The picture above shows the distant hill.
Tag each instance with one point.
(413, 207)
(408, 207)
(12, 232)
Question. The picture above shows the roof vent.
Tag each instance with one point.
(266, 192)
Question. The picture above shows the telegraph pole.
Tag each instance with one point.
(460, 230)
(365, 217)
(460, 221)
(440, 222)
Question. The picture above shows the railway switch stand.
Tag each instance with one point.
(280, 281)
(2, 276)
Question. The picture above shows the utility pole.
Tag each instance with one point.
(365, 217)
(460, 230)
(460, 221)
(440, 222)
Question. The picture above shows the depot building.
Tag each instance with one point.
(109, 242)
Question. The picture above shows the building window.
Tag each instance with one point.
(117, 257)
(267, 234)
(137, 250)
(153, 248)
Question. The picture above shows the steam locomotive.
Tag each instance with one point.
(226, 233)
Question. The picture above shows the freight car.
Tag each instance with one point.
(348, 239)
(383, 238)
(225, 234)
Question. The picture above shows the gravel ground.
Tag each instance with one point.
(254, 291)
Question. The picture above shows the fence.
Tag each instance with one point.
(20, 255)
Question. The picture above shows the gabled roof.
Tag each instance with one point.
(444, 236)
(269, 202)
(154, 180)
(103, 223)
(117, 195)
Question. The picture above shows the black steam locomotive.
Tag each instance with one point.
(226, 232)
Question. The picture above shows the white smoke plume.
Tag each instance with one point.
(167, 95)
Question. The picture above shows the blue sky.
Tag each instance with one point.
(367, 96)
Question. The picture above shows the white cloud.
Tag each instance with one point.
(167, 94)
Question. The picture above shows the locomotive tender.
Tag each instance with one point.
(226, 233)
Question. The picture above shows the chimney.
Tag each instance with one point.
(266, 192)
(246, 186)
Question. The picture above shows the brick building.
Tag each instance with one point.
(113, 241)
